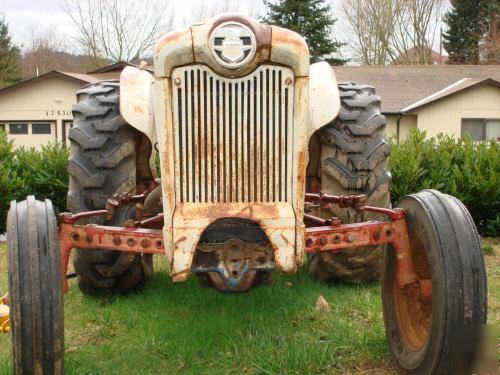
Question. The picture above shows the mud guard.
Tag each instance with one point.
(136, 104)
(324, 98)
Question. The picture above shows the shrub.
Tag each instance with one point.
(44, 173)
(9, 181)
(466, 169)
(25, 171)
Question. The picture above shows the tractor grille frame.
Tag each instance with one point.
(233, 137)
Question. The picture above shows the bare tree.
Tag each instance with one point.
(490, 49)
(393, 31)
(416, 31)
(373, 24)
(118, 30)
(203, 11)
(45, 50)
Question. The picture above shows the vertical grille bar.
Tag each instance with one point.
(251, 141)
(189, 140)
(195, 94)
(277, 140)
(288, 143)
(264, 150)
(209, 126)
(226, 159)
(244, 140)
(283, 154)
(202, 137)
(178, 119)
(221, 187)
(233, 137)
(258, 140)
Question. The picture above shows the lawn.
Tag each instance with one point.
(182, 328)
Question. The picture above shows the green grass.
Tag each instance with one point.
(182, 328)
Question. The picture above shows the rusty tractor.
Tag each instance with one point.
(266, 163)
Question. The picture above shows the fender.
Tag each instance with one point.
(324, 98)
(136, 104)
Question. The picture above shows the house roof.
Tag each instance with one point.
(118, 66)
(455, 88)
(413, 56)
(83, 78)
(403, 86)
(111, 71)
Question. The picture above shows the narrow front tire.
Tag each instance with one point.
(436, 335)
(35, 289)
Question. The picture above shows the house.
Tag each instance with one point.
(451, 99)
(37, 111)
(420, 56)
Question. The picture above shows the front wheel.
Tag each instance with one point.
(436, 335)
(35, 293)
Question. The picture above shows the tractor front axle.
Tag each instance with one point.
(322, 235)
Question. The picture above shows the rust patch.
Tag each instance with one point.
(285, 240)
(139, 109)
(302, 164)
(169, 38)
(284, 36)
(250, 211)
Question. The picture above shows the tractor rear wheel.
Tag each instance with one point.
(436, 334)
(35, 289)
(353, 159)
(103, 162)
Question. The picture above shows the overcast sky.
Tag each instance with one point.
(21, 14)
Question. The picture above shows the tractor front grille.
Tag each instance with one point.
(233, 137)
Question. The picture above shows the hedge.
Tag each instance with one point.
(25, 171)
(466, 169)
(463, 168)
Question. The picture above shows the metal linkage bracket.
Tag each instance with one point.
(370, 233)
(356, 202)
(330, 235)
(91, 237)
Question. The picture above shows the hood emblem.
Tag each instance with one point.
(232, 44)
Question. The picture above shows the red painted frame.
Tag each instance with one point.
(331, 235)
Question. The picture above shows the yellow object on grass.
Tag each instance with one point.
(4, 316)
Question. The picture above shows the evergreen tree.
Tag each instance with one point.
(10, 56)
(468, 21)
(313, 20)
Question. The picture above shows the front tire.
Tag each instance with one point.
(35, 289)
(438, 336)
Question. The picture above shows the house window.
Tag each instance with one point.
(2, 127)
(481, 129)
(41, 128)
(18, 128)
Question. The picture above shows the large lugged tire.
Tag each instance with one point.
(437, 335)
(35, 289)
(103, 162)
(353, 160)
